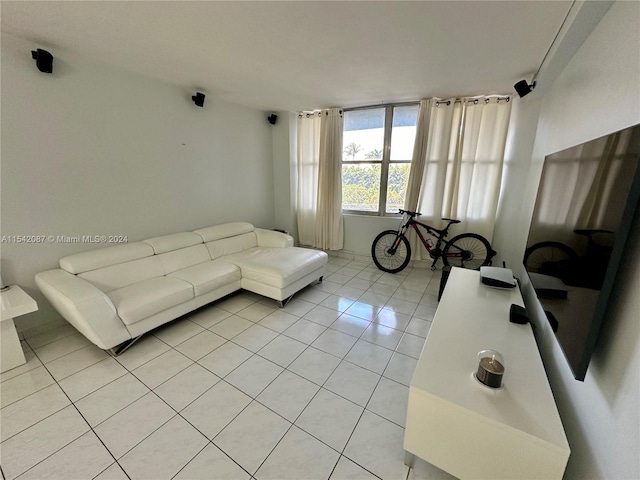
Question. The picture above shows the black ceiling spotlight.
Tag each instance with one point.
(198, 99)
(273, 118)
(524, 88)
(44, 60)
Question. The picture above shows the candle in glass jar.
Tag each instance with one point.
(490, 368)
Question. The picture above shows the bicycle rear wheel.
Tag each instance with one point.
(391, 252)
(467, 250)
(544, 257)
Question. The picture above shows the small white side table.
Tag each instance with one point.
(15, 302)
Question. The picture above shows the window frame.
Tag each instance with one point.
(386, 158)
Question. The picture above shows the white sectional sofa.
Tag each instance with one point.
(114, 295)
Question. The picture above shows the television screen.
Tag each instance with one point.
(586, 200)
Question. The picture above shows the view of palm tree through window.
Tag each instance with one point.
(374, 158)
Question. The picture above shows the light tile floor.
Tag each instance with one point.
(240, 389)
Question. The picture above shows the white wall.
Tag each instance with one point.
(509, 237)
(94, 150)
(361, 230)
(597, 93)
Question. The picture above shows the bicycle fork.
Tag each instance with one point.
(397, 241)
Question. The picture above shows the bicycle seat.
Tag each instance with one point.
(411, 214)
(451, 220)
(590, 232)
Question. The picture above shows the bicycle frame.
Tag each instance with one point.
(435, 251)
(438, 234)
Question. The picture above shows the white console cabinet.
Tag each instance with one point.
(470, 430)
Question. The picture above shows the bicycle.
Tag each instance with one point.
(391, 251)
(559, 260)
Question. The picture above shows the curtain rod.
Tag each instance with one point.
(475, 101)
(310, 114)
(383, 105)
(317, 112)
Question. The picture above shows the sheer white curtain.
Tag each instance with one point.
(329, 225)
(320, 221)
(419, 155)
(460, 164)
(308, 163)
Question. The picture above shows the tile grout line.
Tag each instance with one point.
(265, 406)
(314, 396)
(90, 427)
(178, 413)
(254, 398)
(321, 386)
(83, 418)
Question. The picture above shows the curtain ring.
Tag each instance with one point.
(486, 100)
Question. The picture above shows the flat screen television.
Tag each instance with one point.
(586, 201)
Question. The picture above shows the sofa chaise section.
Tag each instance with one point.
(270, 264)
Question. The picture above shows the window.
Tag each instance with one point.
(377, 150)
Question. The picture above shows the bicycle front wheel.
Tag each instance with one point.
(468, 250)
(390, 251)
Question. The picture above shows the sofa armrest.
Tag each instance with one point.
(271, 238)
(84, 306)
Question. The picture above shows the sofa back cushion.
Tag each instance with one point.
(229, 246)
(225, 230)
(228, 238)
(176, 241)
(179, 250)
(184, 258)
(105, 257)
(123, 274)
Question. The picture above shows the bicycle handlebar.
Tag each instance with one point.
(416, 214)
(411, 214)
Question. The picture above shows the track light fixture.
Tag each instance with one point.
(44, 60)
(524, 88)
(273, 118)
(198, 99)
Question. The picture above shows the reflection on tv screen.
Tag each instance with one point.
(586, 200)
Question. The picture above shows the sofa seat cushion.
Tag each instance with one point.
(206, 277)
(140, 300)
(277, 267)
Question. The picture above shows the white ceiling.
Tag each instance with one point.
(302, 55)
